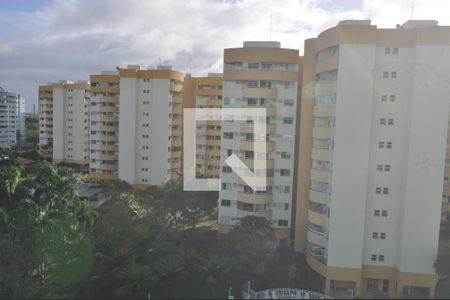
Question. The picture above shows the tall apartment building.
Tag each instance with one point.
(12, 121)
(205, 92)
(373, 134)
(150, 125)
(20, 113)
(46, 121)
(260, 75)
(71, 122)
(104, 126)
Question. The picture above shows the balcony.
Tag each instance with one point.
(325, 88)
(255, 198)
(249, 162)
(320, 176)
(250, 128)
(108, 119)
(175, 87)
(244, 213)
(322, 133)
(281, 293)
(321, 154)
(316, 218)
(327, 64)
(251, 146)
(259, 93)
(324, 111)
(316, 237)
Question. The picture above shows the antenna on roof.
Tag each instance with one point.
(270, 28)
(412, 9)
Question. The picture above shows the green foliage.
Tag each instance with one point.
(442, 264)
(155, 242)
(45, 250)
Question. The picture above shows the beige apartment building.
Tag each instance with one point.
(373, 134)
(46, 121)
(104, 126)
(150, 125)
(260, 75)
(71, 122)
(205, 92)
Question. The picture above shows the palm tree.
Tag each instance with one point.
(86, 213)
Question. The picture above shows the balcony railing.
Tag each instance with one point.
(281, 293)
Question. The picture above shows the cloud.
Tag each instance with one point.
(70, 39)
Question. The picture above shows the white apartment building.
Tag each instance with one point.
(12, 121)
(260, 75)
(373, 134)
(71, 122)
(150, 125)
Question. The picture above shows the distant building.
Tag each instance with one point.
(136, 125)
(64, 121)
(12, 119)
(205, 92)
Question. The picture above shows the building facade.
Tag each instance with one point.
(46, 121)
(12, 121)
(104, 126)
(71, 122)
(205, 92)
(260, 75)
(150, 125)
(373, 136)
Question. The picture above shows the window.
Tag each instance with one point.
(283, 223)
(285, 155)
(228, 135)
(380, 257)
(391, 98)
(226, 186)
(383, 235)
(384, 213)
(288, 102)
(376, 213)
(385, 287)
(390, 121)
(288, 120)
(387, 168)
(382, 121)
(226, 169)
(384, 98)
(395, 50)
(252, 102)
(253, 65)
(389, 145)
(285, 172)
(375, 235)
(387, 50)
(380, 144)
(225, 202)
(385, 74)
(385, 191)
(378, 190)
(373, 257)
(393, 74)
(379, 167)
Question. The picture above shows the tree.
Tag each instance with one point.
(442, 264)
(41, 238)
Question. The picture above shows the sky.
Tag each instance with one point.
(45, 41)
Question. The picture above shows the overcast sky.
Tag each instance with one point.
(48, 40)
